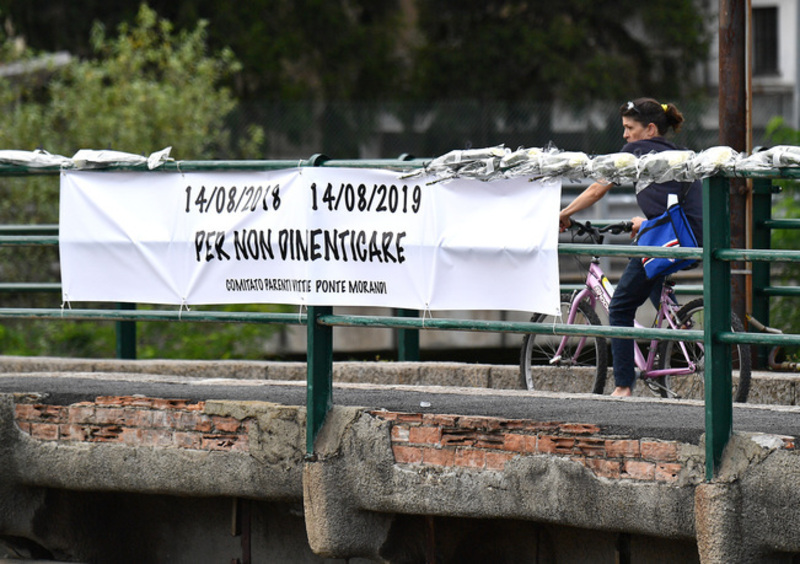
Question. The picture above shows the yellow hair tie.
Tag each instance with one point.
(665, 107)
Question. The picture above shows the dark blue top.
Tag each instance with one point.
(653, 199)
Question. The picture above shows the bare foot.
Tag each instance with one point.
(621, 392)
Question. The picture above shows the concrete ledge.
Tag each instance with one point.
(768, 388)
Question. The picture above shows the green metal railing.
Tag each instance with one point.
(320, 321)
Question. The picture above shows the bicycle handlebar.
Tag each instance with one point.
(596, 232)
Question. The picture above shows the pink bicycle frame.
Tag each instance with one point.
(599, 289)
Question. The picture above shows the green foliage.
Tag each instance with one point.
(146, 88)
(207, 341)
(787, 206)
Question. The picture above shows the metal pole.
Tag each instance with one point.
(733, 127)
(319, 377)
(716, 274)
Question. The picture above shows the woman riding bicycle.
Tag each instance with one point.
(645, 122)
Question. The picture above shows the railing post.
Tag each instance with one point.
(126, 335)
(717, 300)
(319, 378)
(408, 339)
(762, 239)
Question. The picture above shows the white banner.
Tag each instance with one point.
(310, 236)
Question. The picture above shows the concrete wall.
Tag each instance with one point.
(134, 479)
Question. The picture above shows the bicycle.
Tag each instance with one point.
(670, 369)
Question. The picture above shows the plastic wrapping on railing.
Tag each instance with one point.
(665, 166)
(498, 162)
(34, 159)
(83, 159)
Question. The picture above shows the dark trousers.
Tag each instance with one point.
(631, 291)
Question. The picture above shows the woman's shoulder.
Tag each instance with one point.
(652, 145)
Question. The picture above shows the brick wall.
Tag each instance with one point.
(488, 443)
(138, 421)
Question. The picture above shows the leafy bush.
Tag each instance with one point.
(145, 89)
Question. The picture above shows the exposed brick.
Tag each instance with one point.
(44, 431)
(579, 428)
(24, 426)
(425, 435)
(622, 448)
(497, 460)
(555, 445)
(591, 447)
(667, 472)
(385, 415)
(242, 444)
(604, 468)
(438, 457)
(40, 412)
(474, 422)
(407, 454)
(107, 433)
(484, 440)
(80, 414)
(639, 470)
(183, 439)
(515, 442)
(164, 418)
(439, 419)
(542, 427)
(120, 400)
(25, 412)
(161, 403)
(458, 437)
(83, 404)
(115, 416)
(514, 424)
(218, 442)
(409, 417)
(226, 424)
(659, 451)
(400, 433)
(73, 432)
(470, 458)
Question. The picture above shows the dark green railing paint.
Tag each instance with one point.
(717, 304)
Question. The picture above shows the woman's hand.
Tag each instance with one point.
(564, 221)
(637, 223)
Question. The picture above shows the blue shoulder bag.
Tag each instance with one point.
(669, 230)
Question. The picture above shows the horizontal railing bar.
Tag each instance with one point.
(781, 223)
(775, 173)
(228, 165)
(765, 255)
(28, 240)
(30, 287)
(386, 322)
(630, 251)
(152, 315)
(758, 338)
(779, 291)
(29, 229)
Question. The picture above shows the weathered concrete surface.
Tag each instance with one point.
(768, 388)
(381, 484)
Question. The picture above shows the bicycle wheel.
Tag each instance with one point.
(541, 370)
(692, 386)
